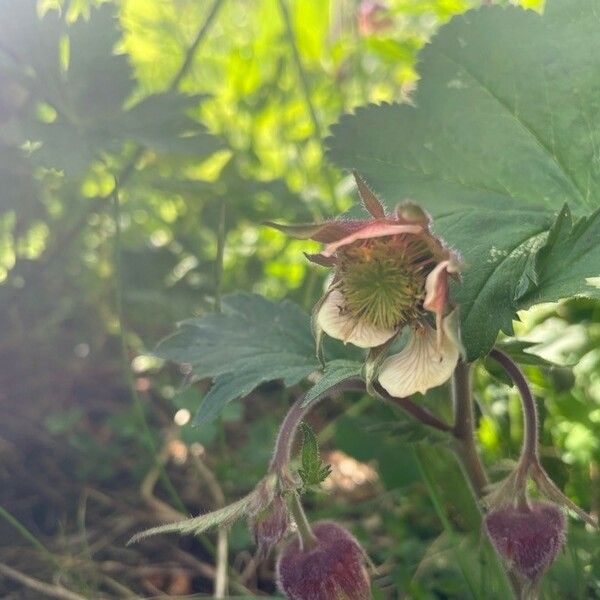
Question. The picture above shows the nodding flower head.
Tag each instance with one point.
(334, 569)
(527, 538)
(389, 272)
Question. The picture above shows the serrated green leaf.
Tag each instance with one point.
(313, 470)
(335, 372)
(252, 341)
(570, 256)
(197, 525)
(492, 145)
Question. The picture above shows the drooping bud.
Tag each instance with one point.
(333, 569)
(527, 538)
(270, 524)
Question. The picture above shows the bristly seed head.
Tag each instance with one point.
(383, 280)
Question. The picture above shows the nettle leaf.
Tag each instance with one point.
(313, 470)
(253, 340)
(501, 134)
(334, 373)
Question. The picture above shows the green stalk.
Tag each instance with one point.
(27, 535)
(441, 513)
(308, 540)
(149, 440)
(302, 76)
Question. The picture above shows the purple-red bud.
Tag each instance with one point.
(271, 524)
(334, 569)
(527, 538)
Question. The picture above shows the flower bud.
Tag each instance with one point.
(527, 538)
(333, 569)
(271, 524)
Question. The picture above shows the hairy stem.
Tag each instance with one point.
(464, 429)
(297, 412)
(529, 452)
(307, 537)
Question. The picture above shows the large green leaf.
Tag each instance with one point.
(252, 341)
(503, 131)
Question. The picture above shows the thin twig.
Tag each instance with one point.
(317, 129)
(191, 52)
(221, 234)
(420, 413)
(54, 591)
(221, 578)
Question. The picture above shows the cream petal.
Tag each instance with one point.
(372, 230)
(337, 323)
(421, 365)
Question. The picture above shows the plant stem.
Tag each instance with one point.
(149, 440)
(291, 422)
(191, 51)
(464, 429)
(529, 452)
(414, 410)
(317, 129)
(220, 254)
(26, 534)
(308, 539)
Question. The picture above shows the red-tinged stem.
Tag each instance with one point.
(529, 452)
(529, 462)
(414, 410)
(464, 429)
(297, 412)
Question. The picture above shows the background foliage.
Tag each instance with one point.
(212, 117)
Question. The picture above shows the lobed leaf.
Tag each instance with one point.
(252, 341)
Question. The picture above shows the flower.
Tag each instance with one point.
(333, 569)
(389, 273)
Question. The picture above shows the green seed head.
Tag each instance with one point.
(383, 280)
